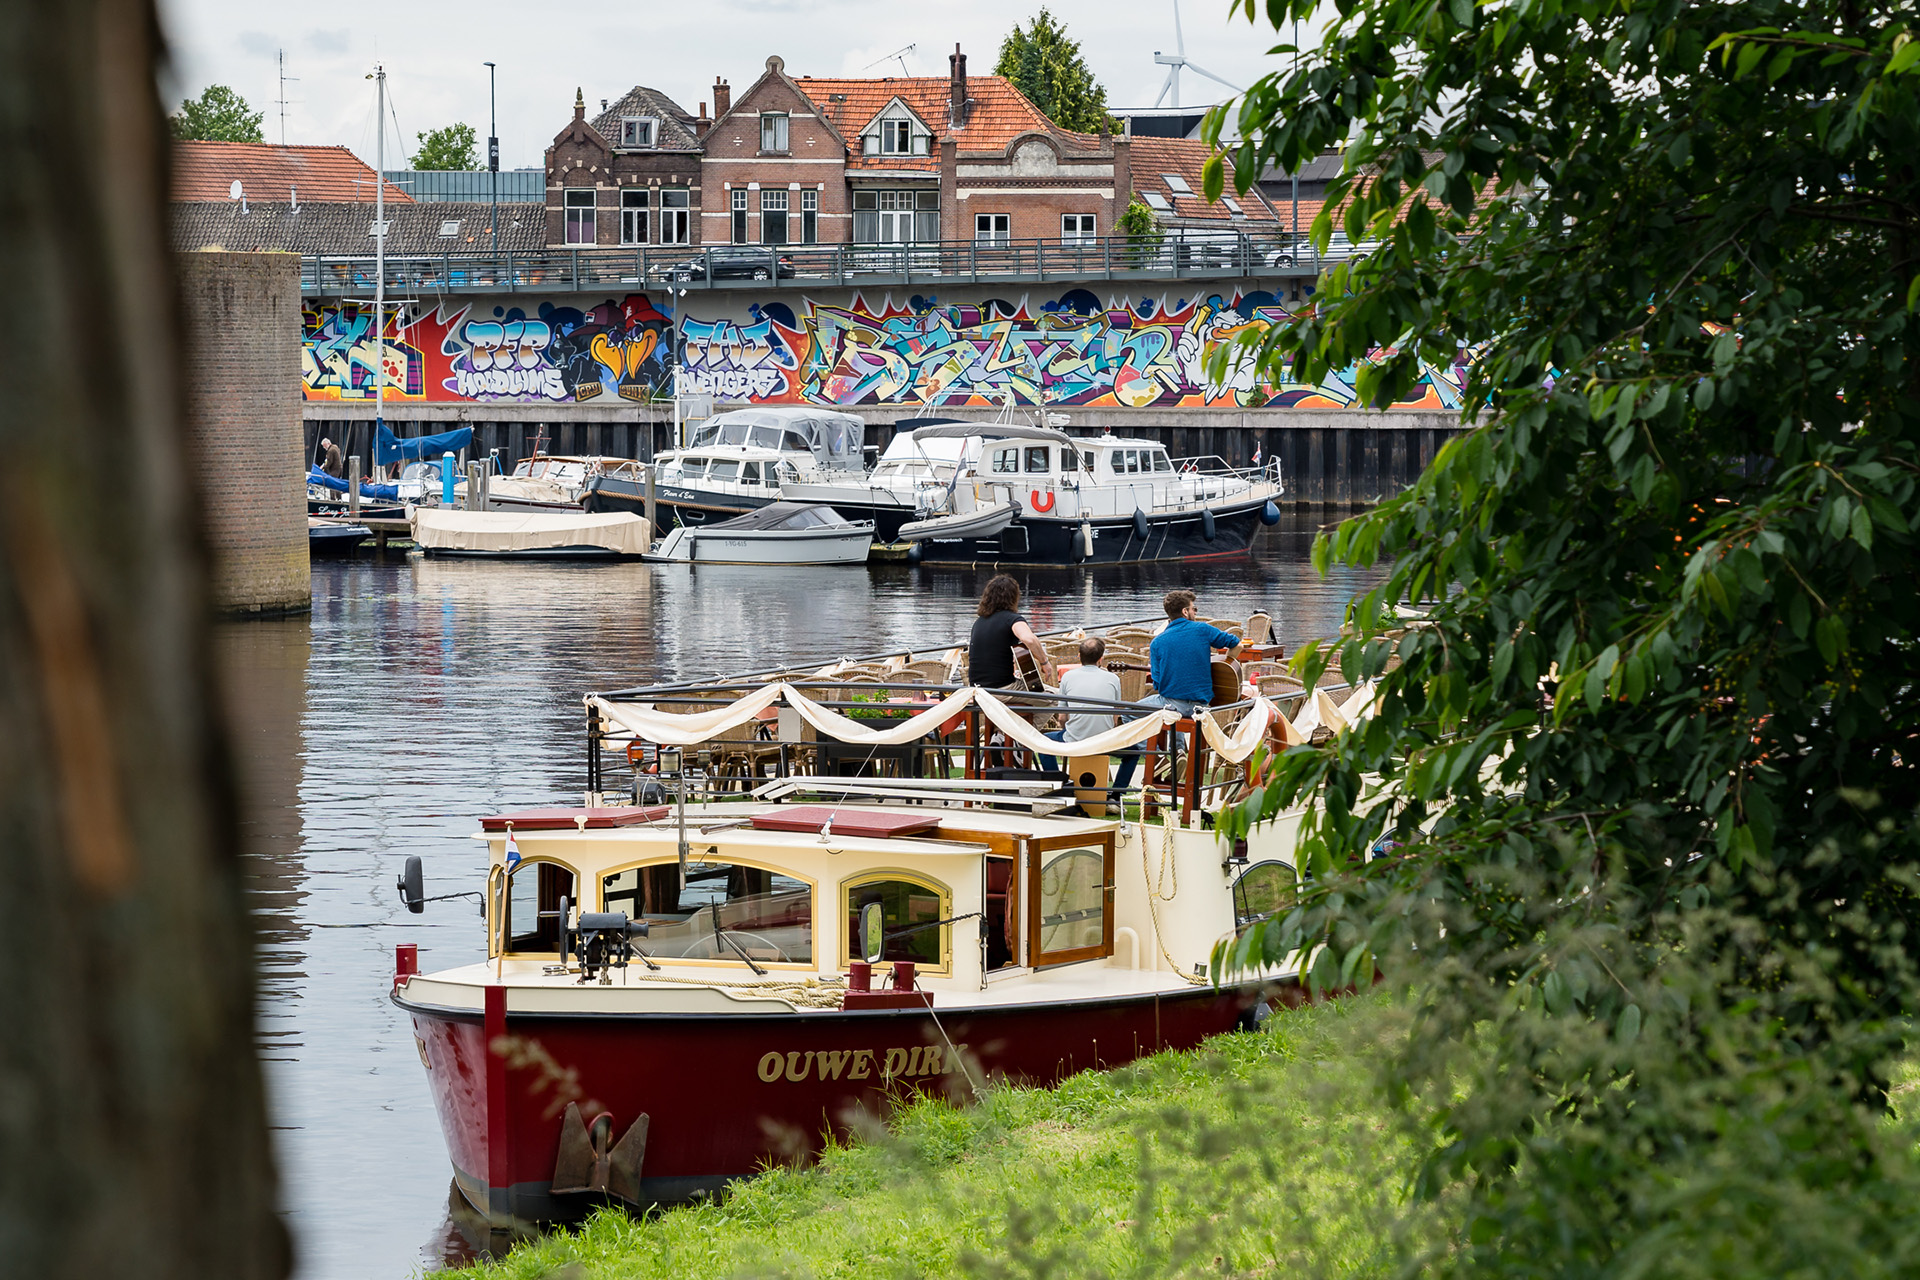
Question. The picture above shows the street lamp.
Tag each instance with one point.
(493, 154)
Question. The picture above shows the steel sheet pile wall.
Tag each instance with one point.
(242, 316)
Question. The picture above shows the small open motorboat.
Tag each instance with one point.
(529, 534)
(334, 537)
(984, 521)
(779, 533)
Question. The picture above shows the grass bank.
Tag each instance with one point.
(1144, 1170)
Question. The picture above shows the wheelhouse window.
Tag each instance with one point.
(723, 909)
(724, 469)
(1070, 918)
(809, 217)
(904, 904)
(773, 131)
(992, 228)
(773, 217)
(633, 216)
(749, 473)
(1158, 460)
(1006, 461)
(534, 890)
(674, 206)
(740, 216)
(1039, 461)
(578, 203)
(1076, 228)
(1263, 890)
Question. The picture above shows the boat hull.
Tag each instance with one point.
(729, 1094)
(677, 504)
(1038, 540)
(810, 547)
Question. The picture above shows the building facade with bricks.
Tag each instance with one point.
(631, 176)
(774, 167)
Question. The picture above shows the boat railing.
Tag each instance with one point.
(1176, 770)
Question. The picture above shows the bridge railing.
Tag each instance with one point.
(1182, 254)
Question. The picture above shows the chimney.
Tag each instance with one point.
(722, 97)
(701, 125)
(579, 105)
(957, 89)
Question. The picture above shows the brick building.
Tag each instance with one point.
(631, 177)
(775, 167)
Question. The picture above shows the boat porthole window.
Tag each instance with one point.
(534, 890)
(903, 904)
(1038, 463)
(1265, 889)
(764, 913)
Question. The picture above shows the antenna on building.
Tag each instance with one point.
(901, 54)
(238, 192)
(1177, 60)
(283, 101)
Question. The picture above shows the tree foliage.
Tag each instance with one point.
(1047, 67)
(217, 115)
(451, 147)
(1650, 757)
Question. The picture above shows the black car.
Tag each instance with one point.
(733, 262)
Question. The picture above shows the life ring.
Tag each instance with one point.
(1042, 501)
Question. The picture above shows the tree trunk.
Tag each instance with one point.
(133, 1136)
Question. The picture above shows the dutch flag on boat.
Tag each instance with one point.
(1256, 455)
(513, 851)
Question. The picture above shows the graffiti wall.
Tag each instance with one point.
(1070, 350)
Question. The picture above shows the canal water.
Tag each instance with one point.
(422, 694)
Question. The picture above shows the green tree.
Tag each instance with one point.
(452, 147)
(217, 115)
(1652, 754)
(1047, 67)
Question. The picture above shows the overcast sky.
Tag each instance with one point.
(434, 54)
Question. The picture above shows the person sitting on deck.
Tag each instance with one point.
(1091, 681)
(330, 460)
(1180, 658)
(997, 629)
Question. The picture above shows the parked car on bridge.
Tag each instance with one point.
(734, 262)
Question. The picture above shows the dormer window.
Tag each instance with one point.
(773, 131)
(896, 137)
(637, 131)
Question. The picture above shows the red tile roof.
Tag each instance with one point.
(207, 171)
(1154, 158)
(1000, 114)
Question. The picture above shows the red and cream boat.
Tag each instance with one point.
(672, 1000)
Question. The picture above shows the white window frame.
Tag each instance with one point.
(775, 132)
(896, 137)
(809, 217)
(1076, 228)
(631, 126)
(776, 215)
(578, 215)
(675, 219)
(993, 228)
(635, 215)
(737, 217)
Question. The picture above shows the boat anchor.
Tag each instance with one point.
(586, 1163)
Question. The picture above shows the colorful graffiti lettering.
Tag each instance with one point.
(337, 356)
(1073, 350)
(731, 361)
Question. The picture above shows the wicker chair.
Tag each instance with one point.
(929, 670)
(1279, 686)
(1259, 629)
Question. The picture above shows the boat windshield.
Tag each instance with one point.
(766, 914)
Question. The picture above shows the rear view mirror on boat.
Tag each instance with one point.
(873, 934)
(412, 891)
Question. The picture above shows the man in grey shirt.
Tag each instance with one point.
(1093, 682)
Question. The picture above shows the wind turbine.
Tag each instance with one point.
(1178, 60)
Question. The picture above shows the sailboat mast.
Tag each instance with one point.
(380, 259)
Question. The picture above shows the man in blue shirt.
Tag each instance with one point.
(1181, 657)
